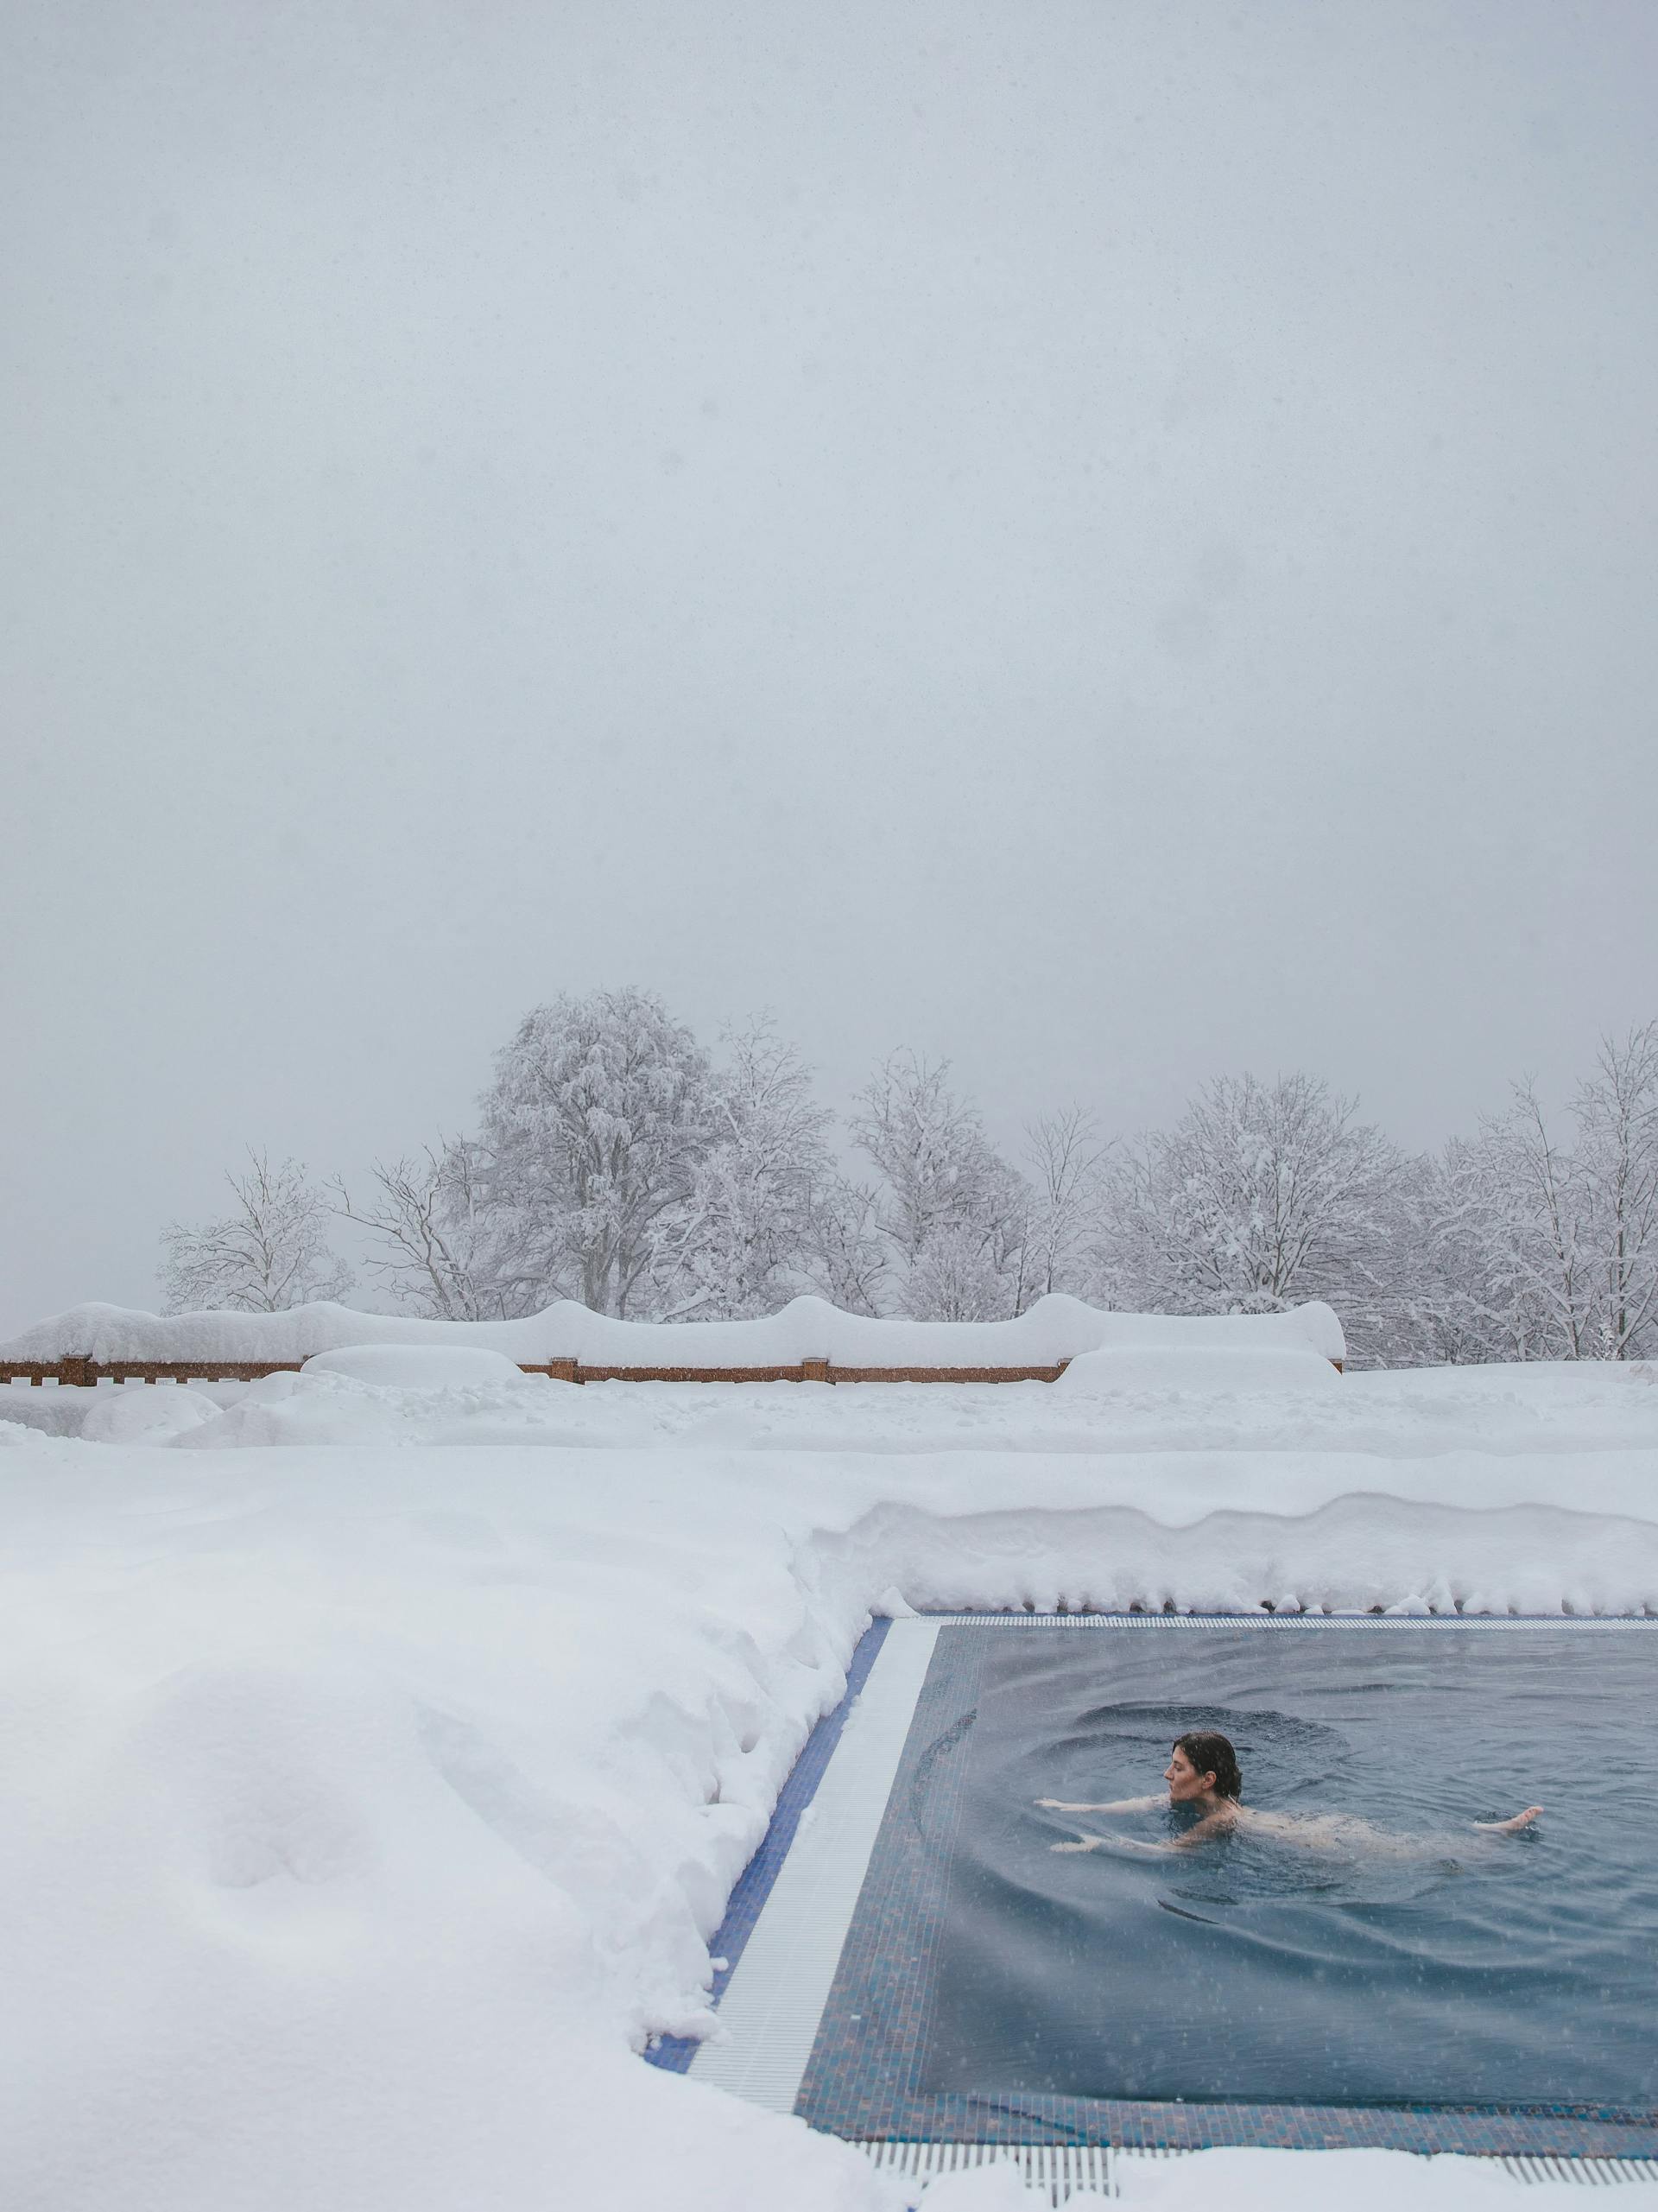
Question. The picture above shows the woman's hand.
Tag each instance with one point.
(1117, 1843)
(1509, 1827)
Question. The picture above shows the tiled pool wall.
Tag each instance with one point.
(674, 2053)
(862, 2080)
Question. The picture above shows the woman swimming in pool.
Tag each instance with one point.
(1203, 1772)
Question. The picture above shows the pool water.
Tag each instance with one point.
(1427, 1964)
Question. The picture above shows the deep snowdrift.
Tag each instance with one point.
(365, 1807)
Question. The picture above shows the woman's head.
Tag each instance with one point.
(1202, 1761)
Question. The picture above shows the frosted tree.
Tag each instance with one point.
(744, 1242)
(1549, 1243)
(1065, 1160)
(433, 1244)
(1262, 1196)
(599, 1118)
(1416, 1303)
(1515, 1241)
(943, 1185)
(956, 1276)
(1616, 1113)
(615, 1164)
(847, 1262)
(1000, 1220)
(270, 1253)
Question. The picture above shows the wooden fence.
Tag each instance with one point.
(85, 1373)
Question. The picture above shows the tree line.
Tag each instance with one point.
(618, 1162)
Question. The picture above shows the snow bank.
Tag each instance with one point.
(416, 1366)
(1055, 1329)
(145, 1416)
(371, 1805)
(1196, 1371)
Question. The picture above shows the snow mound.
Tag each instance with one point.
(1056, 1328)
(304, 1410)
(1199, 1370)
(141, 1414)
(416, 1366)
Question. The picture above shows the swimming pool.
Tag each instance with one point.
(1417, 1983)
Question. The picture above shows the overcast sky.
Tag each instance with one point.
(1110, 543)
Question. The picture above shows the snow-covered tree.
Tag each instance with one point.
(942, 1183)
(1548, 1246)
(744, 1242)
(1262, 1196)
(956, 1276)
(270, 1253)
(848, 1262)
(599, 1118)
(1616, 1114)
(1065, 1159)
(617, 1164)
(434, 1248)
(1514, 1240)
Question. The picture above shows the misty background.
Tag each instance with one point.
(1111, 550)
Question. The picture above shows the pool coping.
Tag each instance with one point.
(1027, 2121)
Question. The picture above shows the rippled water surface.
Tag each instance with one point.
(1433, 1965)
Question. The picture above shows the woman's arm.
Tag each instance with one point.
(1119, 1805)
(1216, 1824)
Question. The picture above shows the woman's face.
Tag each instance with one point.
(1184, 1780)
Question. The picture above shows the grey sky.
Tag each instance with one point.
(1110, 543)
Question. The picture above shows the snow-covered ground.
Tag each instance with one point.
(1412, 1413)
(372, 1790)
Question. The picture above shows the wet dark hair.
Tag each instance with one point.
(1213, 1754)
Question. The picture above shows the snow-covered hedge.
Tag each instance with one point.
(1055, 1329)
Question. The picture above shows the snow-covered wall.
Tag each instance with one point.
(1055, 1329)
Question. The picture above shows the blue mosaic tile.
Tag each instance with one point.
(674, 2052)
